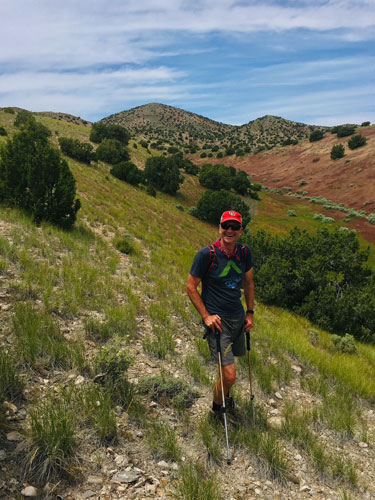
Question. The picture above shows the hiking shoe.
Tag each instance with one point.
(217, 413)
(229, 403)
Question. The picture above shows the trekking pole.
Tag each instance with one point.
(248, 345)
(222, 394)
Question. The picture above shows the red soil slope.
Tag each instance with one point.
(349, 180)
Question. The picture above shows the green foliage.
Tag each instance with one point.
(292, 213)
(215, 177)
(168, 391)
(112, 151)
(23, 117)
(322, 276)
(163, 173)
(9, 110)
(316, 135)
(213, 203)
(345, 344)
(337, 151)
(344, 130)
(190, 167)
(81, 151)
(124, 244)
(194, 483)
(100, 131)
(53, 438)
(39, 341)
(36, 179)
(3, 132)
(113, 360)
(162, 439)
(365, 124)
(357, 141)
(128, 172)
(11, 386)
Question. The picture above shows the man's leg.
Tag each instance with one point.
(229, 377)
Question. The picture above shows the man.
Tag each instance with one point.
(223, 268)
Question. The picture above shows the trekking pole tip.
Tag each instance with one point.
(229, 461)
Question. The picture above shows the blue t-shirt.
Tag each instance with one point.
(221, 288)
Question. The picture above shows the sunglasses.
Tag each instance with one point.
(235, 226)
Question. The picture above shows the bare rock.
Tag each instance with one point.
(29, 491)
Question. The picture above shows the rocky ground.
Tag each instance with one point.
(128, 469)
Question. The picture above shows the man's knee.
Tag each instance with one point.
(229, 374)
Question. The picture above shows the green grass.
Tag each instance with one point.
(195, 483)
(162, 439)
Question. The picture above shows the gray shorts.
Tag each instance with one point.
(232, 340)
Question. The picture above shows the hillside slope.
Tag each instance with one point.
(312, 435)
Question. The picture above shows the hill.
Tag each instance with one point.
(166, 126)
(74, 308)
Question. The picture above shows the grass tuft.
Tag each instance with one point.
(194, 483)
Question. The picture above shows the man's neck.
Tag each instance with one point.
(228, 247)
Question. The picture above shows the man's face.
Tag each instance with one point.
(230, 231)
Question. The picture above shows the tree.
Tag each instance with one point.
(241, 183)
(81, 151)
(357, 141)
(23, 117)
(215, 176)
(111, 151)
(100, 131)
(337, 151)
(323, 276)
(316, 135)
(35, 178)
(213, 203)
(345, 130)
(128, 172)
(163, 173)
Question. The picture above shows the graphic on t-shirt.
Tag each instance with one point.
(231, 265)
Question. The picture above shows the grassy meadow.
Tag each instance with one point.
(74, 306)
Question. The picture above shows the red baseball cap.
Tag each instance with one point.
(231, 215)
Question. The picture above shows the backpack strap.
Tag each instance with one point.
(211, 260)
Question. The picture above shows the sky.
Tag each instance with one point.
(310, 61)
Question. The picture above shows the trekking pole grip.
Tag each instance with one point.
(248, 340)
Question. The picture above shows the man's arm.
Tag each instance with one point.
(212, 321)
(248, 288)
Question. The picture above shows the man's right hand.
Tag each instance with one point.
(213, 322)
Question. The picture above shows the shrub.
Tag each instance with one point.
(163, 173)
(337, 151)
(345, 344)
(3, 132)
(124, 244)
(345, 130)
(81, 151)
(113, 360)
(168, 391)
(365, 124)
(357, 141)
(36, 179)
(128, 172)
(9, 110)
(316, 135)
(150, 190)
(101, 131)
(23, 117)
(203, 154)
(213, 203)
(112, 151)
(292, 213)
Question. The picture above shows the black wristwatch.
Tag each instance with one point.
(249, 311)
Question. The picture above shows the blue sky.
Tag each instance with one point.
(232, 61)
